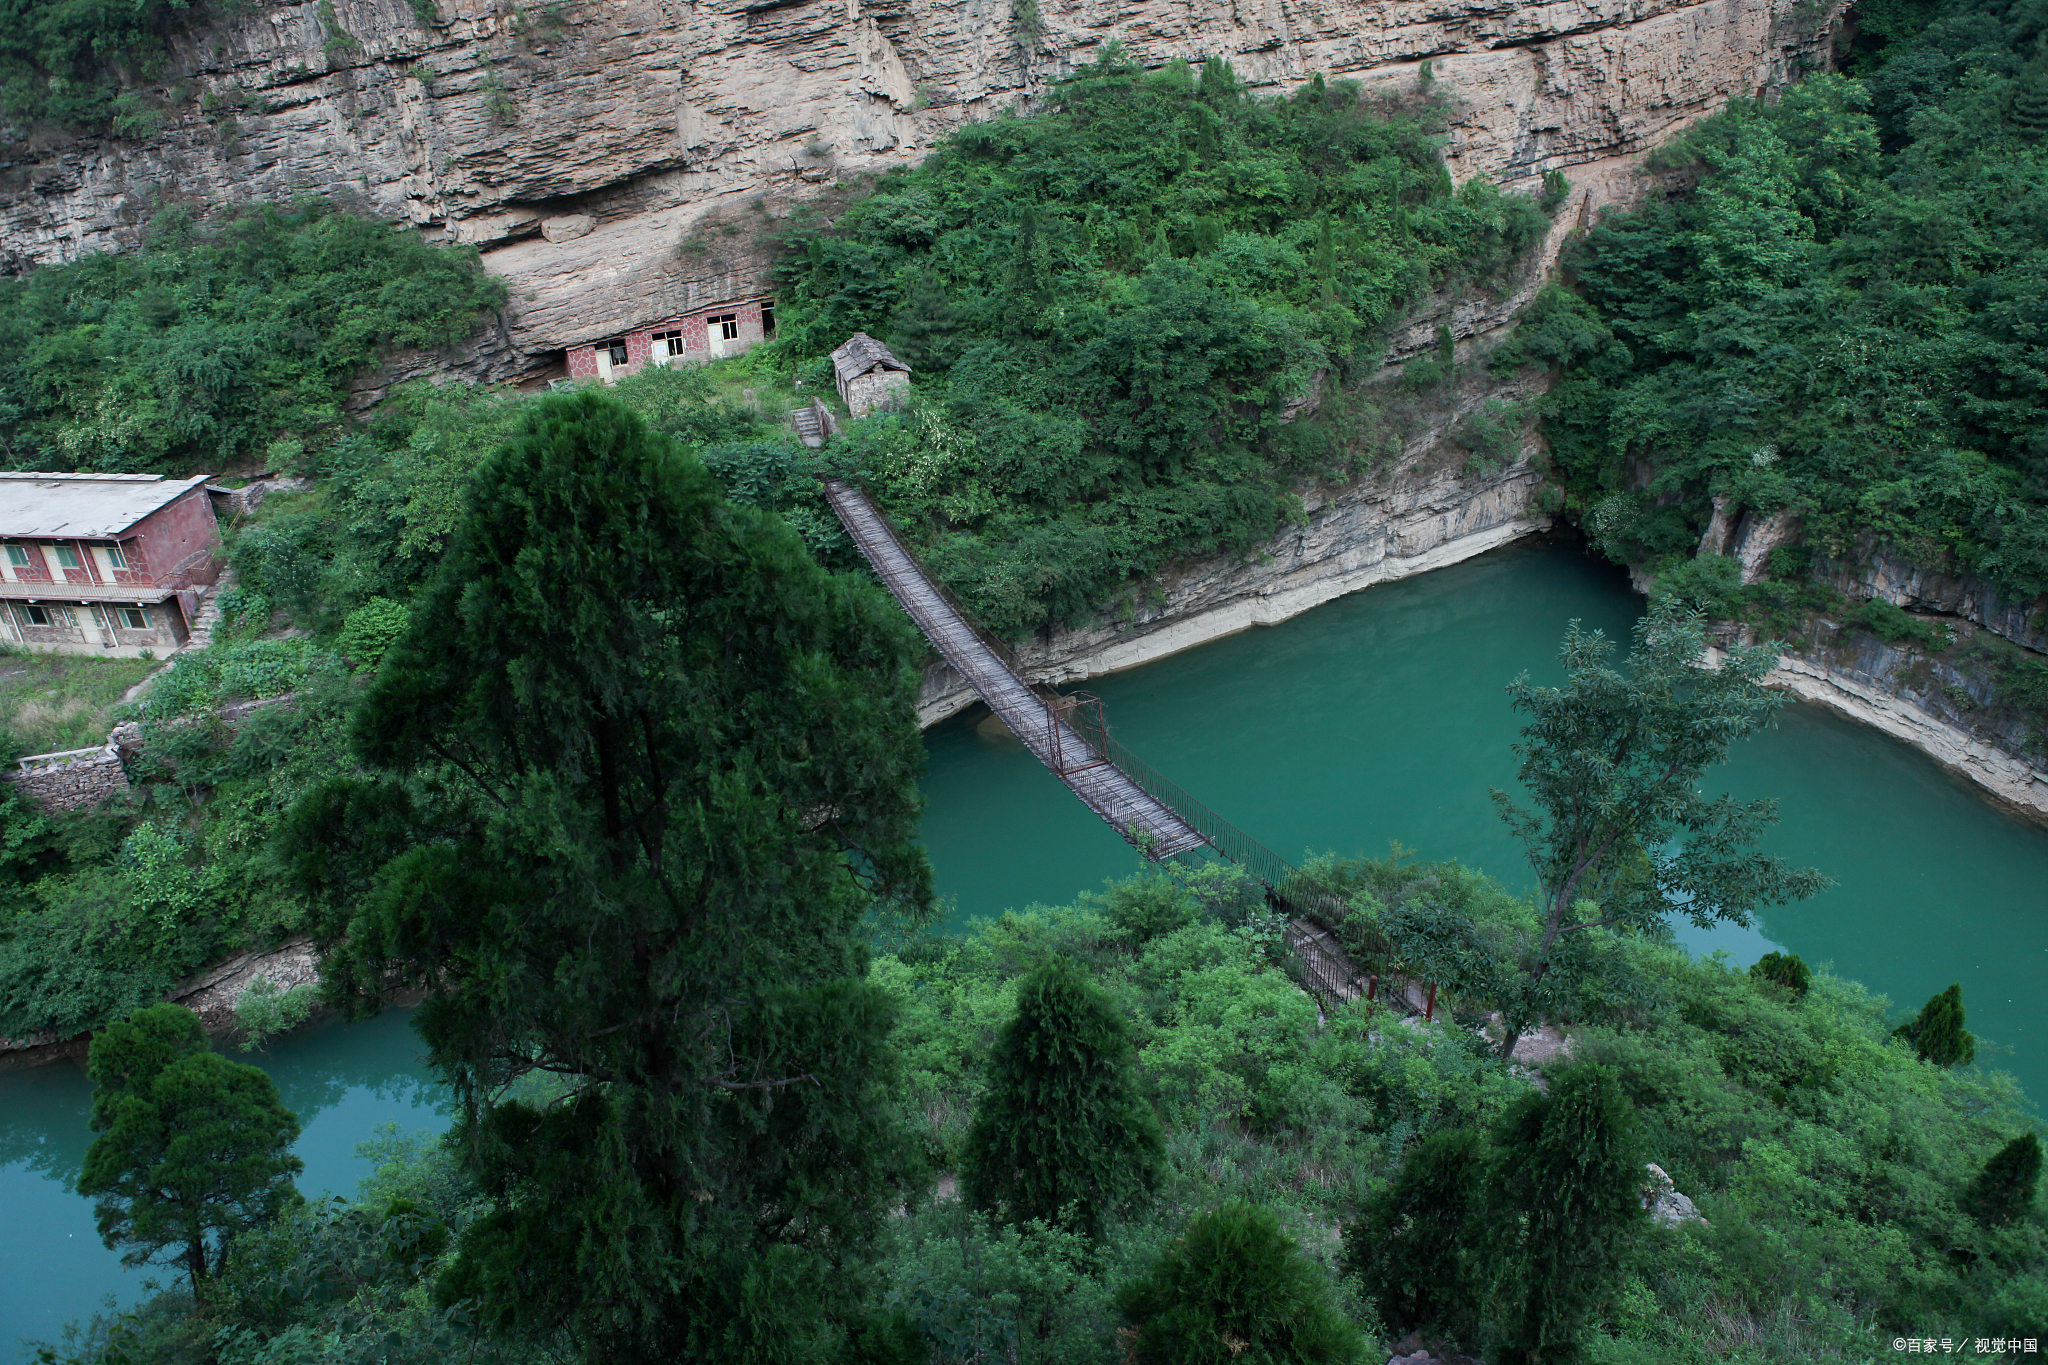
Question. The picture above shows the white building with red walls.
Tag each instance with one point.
(709, 333)
(103, 563)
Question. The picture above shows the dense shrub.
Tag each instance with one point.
(215, 341)
(1111, 305)
(1799, 322)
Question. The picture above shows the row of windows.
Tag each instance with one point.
(67, 556)
(670, 343)
(134, 618)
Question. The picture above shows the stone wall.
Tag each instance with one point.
(77, 780)
(617, 162)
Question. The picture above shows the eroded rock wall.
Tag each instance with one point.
(592, 149)
(1416, 516)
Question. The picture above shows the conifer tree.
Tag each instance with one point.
(1565, 1190)
(1414, 1249)
(1063, 1130)
(1937, 1035)
(1234, 1289)
(192, 1147)
(2003, 1191)
(631, 779)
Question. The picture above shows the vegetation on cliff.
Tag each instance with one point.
(1828, 308)
(217, 340)
(1116, 307)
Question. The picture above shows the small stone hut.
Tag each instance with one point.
(869, 377)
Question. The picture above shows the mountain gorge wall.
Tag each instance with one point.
(615, 160)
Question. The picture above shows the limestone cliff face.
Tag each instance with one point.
(593, 149)
(1409, 519)
(1947, 713)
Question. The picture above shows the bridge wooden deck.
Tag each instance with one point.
(1148, 823)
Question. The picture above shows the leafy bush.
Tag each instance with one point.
(371, 629)
(1235, 1288)
(1786, 969)
(215, 340)
(1789, 329)
(1111, 307)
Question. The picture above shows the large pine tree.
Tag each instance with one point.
(631, 780)
(192, 1147)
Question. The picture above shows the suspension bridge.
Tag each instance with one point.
(1070, 736)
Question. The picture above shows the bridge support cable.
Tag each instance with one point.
(1071, 737)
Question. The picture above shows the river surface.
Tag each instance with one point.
(1380, 717)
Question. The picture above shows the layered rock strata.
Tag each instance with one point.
(1378, 530)
(1947, 714)
(621, 162)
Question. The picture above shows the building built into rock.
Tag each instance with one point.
(710, 333)
(869, 376)
(103, 563)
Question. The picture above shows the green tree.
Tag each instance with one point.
(2003, 1192)
(1414, 1248)
(1614, 759)
(1937, 1034)
(191, 1146)
(1063, 1130)
(633, 776)
(1564, 1191)
(1785, 969)
(1234, 1289)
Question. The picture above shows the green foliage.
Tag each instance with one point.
(632, 779)
(1623, 833)
(2003, 1192)
(1937, 1034)
(1062, 1133)
(1110, 306)
(264, 1010)
(191, 1146)
(1235, 1287)
(1417, 1249)
(1564, 1193)
(65, 61)
(1709, 586)
(1808, 325)
(1787, 970)
(370, 630)
(212, 342)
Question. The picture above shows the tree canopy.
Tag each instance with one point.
(1828, 307)
(192, 1148)
(631, 779)
(217, 339)
(1623, 835)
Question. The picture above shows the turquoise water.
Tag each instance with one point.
(341, 1080)
(1380, 717)
(1384, 716)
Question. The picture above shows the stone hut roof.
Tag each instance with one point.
(862, 354)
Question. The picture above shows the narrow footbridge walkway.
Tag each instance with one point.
(1037, 721)
(1069, 736)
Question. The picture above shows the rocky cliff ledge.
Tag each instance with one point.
(1944, 712)
(1407, 522)
(615, 161)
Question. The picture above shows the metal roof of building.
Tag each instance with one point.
(83, 506)
(862, 354)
